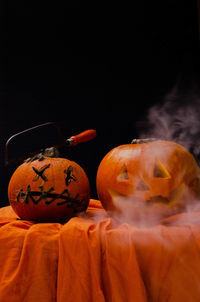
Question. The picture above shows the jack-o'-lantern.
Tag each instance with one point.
(158, 172)
(48, 189)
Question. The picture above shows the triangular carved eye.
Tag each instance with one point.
(142, 186)
(123, 174)
(160, 171)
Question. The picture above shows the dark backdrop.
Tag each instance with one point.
(100, 65)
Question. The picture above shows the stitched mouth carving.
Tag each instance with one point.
(49, 196)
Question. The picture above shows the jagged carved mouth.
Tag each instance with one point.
(173, 198)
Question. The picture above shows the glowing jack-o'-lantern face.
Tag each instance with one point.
(51, 189)
(160, 172)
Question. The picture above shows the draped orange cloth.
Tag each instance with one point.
(91, 258)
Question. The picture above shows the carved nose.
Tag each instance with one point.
(142, 186)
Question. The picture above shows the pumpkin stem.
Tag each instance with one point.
(143, 140)
(48, 152)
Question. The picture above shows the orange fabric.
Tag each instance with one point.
(92, 259)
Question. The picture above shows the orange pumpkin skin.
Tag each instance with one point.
(52, 189)
(159, 172)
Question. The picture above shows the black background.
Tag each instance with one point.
(98, 65)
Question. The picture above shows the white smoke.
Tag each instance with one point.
(176, 119)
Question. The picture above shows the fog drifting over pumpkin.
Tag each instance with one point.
(168, 250)
(172, 120)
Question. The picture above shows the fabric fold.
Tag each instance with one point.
(94, 258)
(28, 261)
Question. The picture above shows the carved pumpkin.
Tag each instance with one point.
(48, 189)
(158, 172)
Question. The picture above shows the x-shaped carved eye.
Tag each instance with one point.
(40, 173)
(70, 176)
